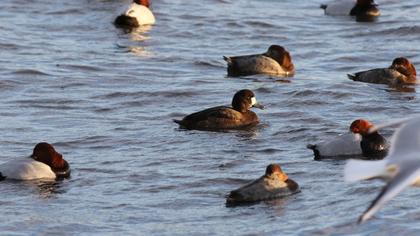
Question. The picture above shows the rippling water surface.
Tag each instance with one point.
(106, 99)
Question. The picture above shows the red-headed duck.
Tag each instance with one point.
(136, 14)
(222, 117)
(274, 184)
(358, 142)
(44, 163)
(400, 168)
(276, 61)
(361, 9)
(401, 72)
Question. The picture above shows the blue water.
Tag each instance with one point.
(106, 99)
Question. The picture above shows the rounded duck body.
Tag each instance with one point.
(360, 8)
(276, 61)
(44, 163)
(274, 184)
(135, 15)
(360, 142)
(401, 72)
(343, 146)
(222, 117)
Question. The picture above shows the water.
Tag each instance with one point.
(106, 99)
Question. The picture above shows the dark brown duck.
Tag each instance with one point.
(222, 117)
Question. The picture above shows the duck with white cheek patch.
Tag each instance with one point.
(44, 163)
(239, 116)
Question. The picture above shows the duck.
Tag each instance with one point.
(136, 14)
(358, 142)
(401, 72)
(360, 9)
(276, 61)
(238, 116)
(44, 163)
(400, 168)
(273, 184)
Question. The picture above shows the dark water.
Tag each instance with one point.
(106, 99)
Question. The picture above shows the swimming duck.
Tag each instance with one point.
(276, 61)
(44, 163)
(359, 8)
(358, 142)
(401, 72)
(223, 117)
(400, 168)
(136, 14)
(274, 184)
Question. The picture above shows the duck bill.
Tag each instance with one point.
(259, 106)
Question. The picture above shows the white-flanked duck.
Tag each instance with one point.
(401, 72)
(136, 14)
(274, 184)
(223, 117)
(361, 9)
(358, 142)
(400, 168)
(44, 163)
(276, 61)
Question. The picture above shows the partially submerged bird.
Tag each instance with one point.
(223, 117)
(274, 184)
(401, 72)
(136, 14)
(358, 142)
(400, 168)
(361, 9)
(44, 163)
(276, 61)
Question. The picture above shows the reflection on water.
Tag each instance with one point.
(46, 188)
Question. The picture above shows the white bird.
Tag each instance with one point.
(401, 167)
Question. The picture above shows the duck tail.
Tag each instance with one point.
(227, 59)
(362, 169)
(352, 77)
(323, 6)
(314, 148)
(177, 121)
(2, 177)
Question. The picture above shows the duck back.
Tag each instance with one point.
(217, 118)
(380, 76)
(254, 64)
(26, 169)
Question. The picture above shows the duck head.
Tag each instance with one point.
(45, 153)
(361, 127)
(143, 2)
(275, 169)
(404, 66)
(244, 99)
(279, 54)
